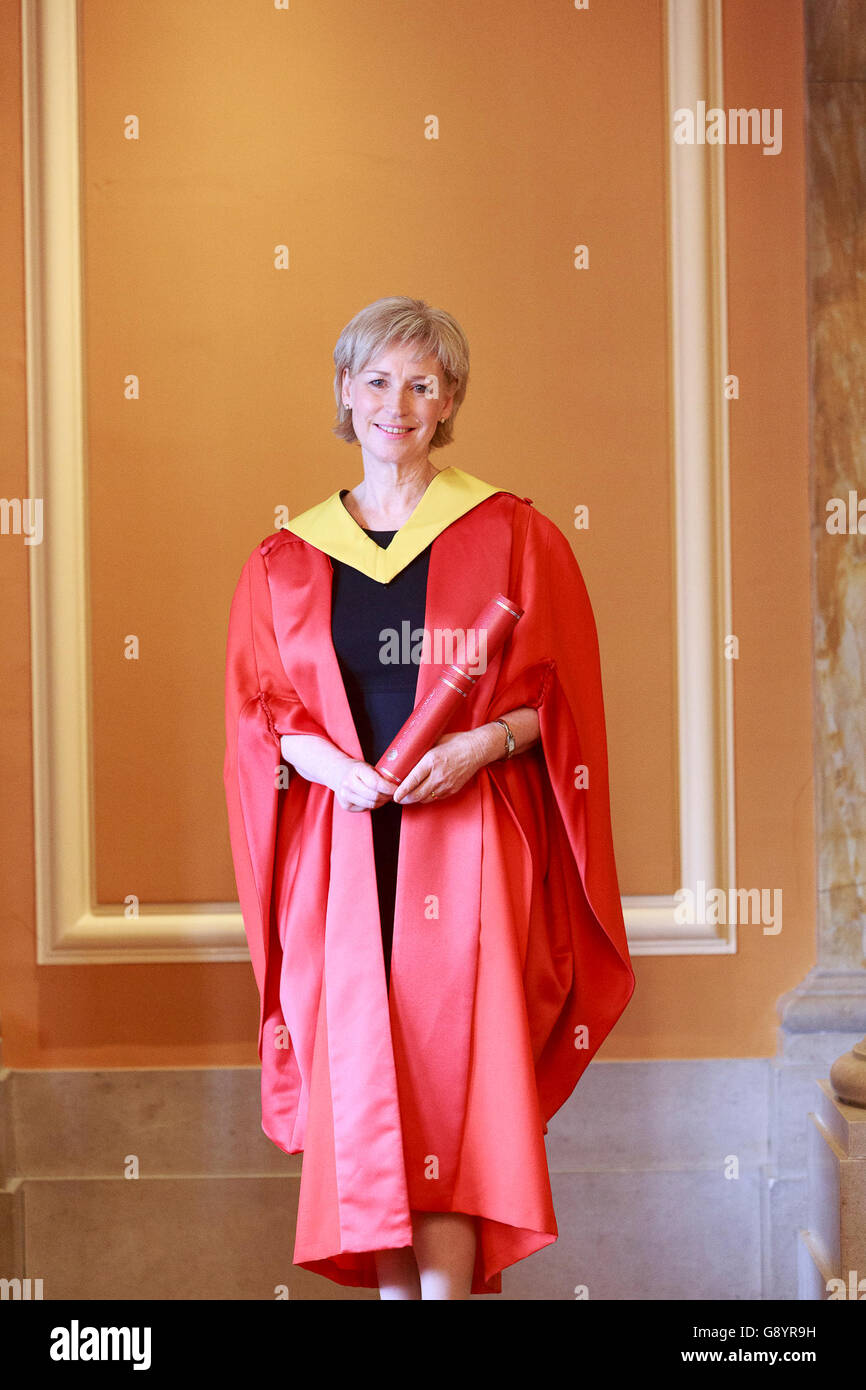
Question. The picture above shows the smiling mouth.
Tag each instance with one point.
(395, 433)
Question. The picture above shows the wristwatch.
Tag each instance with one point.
(509, 738)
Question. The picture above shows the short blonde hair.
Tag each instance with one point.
(403, 320)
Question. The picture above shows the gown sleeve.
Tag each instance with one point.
(260, 705)
(573, 733)
(558, 671)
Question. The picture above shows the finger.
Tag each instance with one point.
(363, 798)
(413, 779)
(419, 790)
(372, 780)
(406, 790)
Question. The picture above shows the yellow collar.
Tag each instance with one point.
(329, 527)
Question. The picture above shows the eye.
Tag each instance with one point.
(420, 386)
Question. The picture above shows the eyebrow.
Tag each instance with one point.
(380, 372)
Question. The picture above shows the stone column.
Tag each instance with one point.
(826, 1014)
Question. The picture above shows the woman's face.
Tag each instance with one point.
(397, 401)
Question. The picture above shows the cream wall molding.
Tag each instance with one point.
(697, 296)
(71, 929)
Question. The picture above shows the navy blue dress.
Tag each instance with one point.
(381, 693)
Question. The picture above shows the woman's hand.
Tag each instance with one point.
(359, 787)
(445, 768)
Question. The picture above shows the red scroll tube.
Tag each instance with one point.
(497, 619)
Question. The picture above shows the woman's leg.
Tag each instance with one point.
(397, 1272)
(444, 1245)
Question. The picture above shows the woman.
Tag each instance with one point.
(437, 963)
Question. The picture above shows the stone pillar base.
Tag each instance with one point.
(831, 1262)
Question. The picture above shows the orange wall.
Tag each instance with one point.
(568, 397)
(567, 404)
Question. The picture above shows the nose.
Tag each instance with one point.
(396, 399)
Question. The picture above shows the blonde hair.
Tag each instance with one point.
(402, 320)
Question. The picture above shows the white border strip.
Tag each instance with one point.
(69, 929)
(698, 294)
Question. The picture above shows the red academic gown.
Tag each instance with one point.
(510, 964)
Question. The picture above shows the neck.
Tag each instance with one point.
(390, 493)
